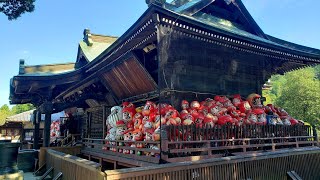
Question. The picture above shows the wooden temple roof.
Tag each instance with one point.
(231, 18)
(91, 46)
(225, 23)
(45, 69)
(38, 81)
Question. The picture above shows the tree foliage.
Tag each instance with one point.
(317, 70)
(5, 111)
(270, 98)
(14, 8)
(22, 108)
(298, 92)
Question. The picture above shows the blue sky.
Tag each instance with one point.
(51, 33)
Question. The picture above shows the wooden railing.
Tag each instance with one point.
(194, 133)
(70, 140)
(74, 150)
(185, 143)
(268, 165)
(118, 148)
(73, 167)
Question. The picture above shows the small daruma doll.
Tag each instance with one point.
(261, 116)
(149, 108)
(236, 100)
(252, 117)
(128, 114)
(121, 129)
(254, 100)
(244, 107)
(185, 105)
(195, 105)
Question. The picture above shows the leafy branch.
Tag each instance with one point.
(14, 8)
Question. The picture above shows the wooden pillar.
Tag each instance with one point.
(36, 133)
(104, 119)
(47, 124)
(88, 124)
(46, 108)
(164, 144)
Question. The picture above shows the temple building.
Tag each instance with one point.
(184, 49)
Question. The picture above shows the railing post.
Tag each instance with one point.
(244, 146)
(164, 143)
(273, 145)
(104, 119)
(92, 146)
(315, 134)
(209, 148)
(297, 142)
(115, 165)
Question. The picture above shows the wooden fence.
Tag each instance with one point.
(72, 167)
(194, 133)
(267, 165)
(74, 150)
(185, 143)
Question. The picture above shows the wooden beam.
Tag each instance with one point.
(106, 85)
(80, 101)
(73, 90)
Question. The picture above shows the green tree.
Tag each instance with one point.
(270, 97)
(14, 8)
(298, 93)
(4, 113)
(5, 108)
(22, 108)
(277, 82)
(317, 70)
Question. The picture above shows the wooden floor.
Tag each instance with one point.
(101, 157)
(257, 165)
(260, 165)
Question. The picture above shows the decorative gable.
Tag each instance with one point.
(230, 12)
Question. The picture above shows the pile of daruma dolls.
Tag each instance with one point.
(132, 123)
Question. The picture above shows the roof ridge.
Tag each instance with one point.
(69, 63)
(104, 35)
